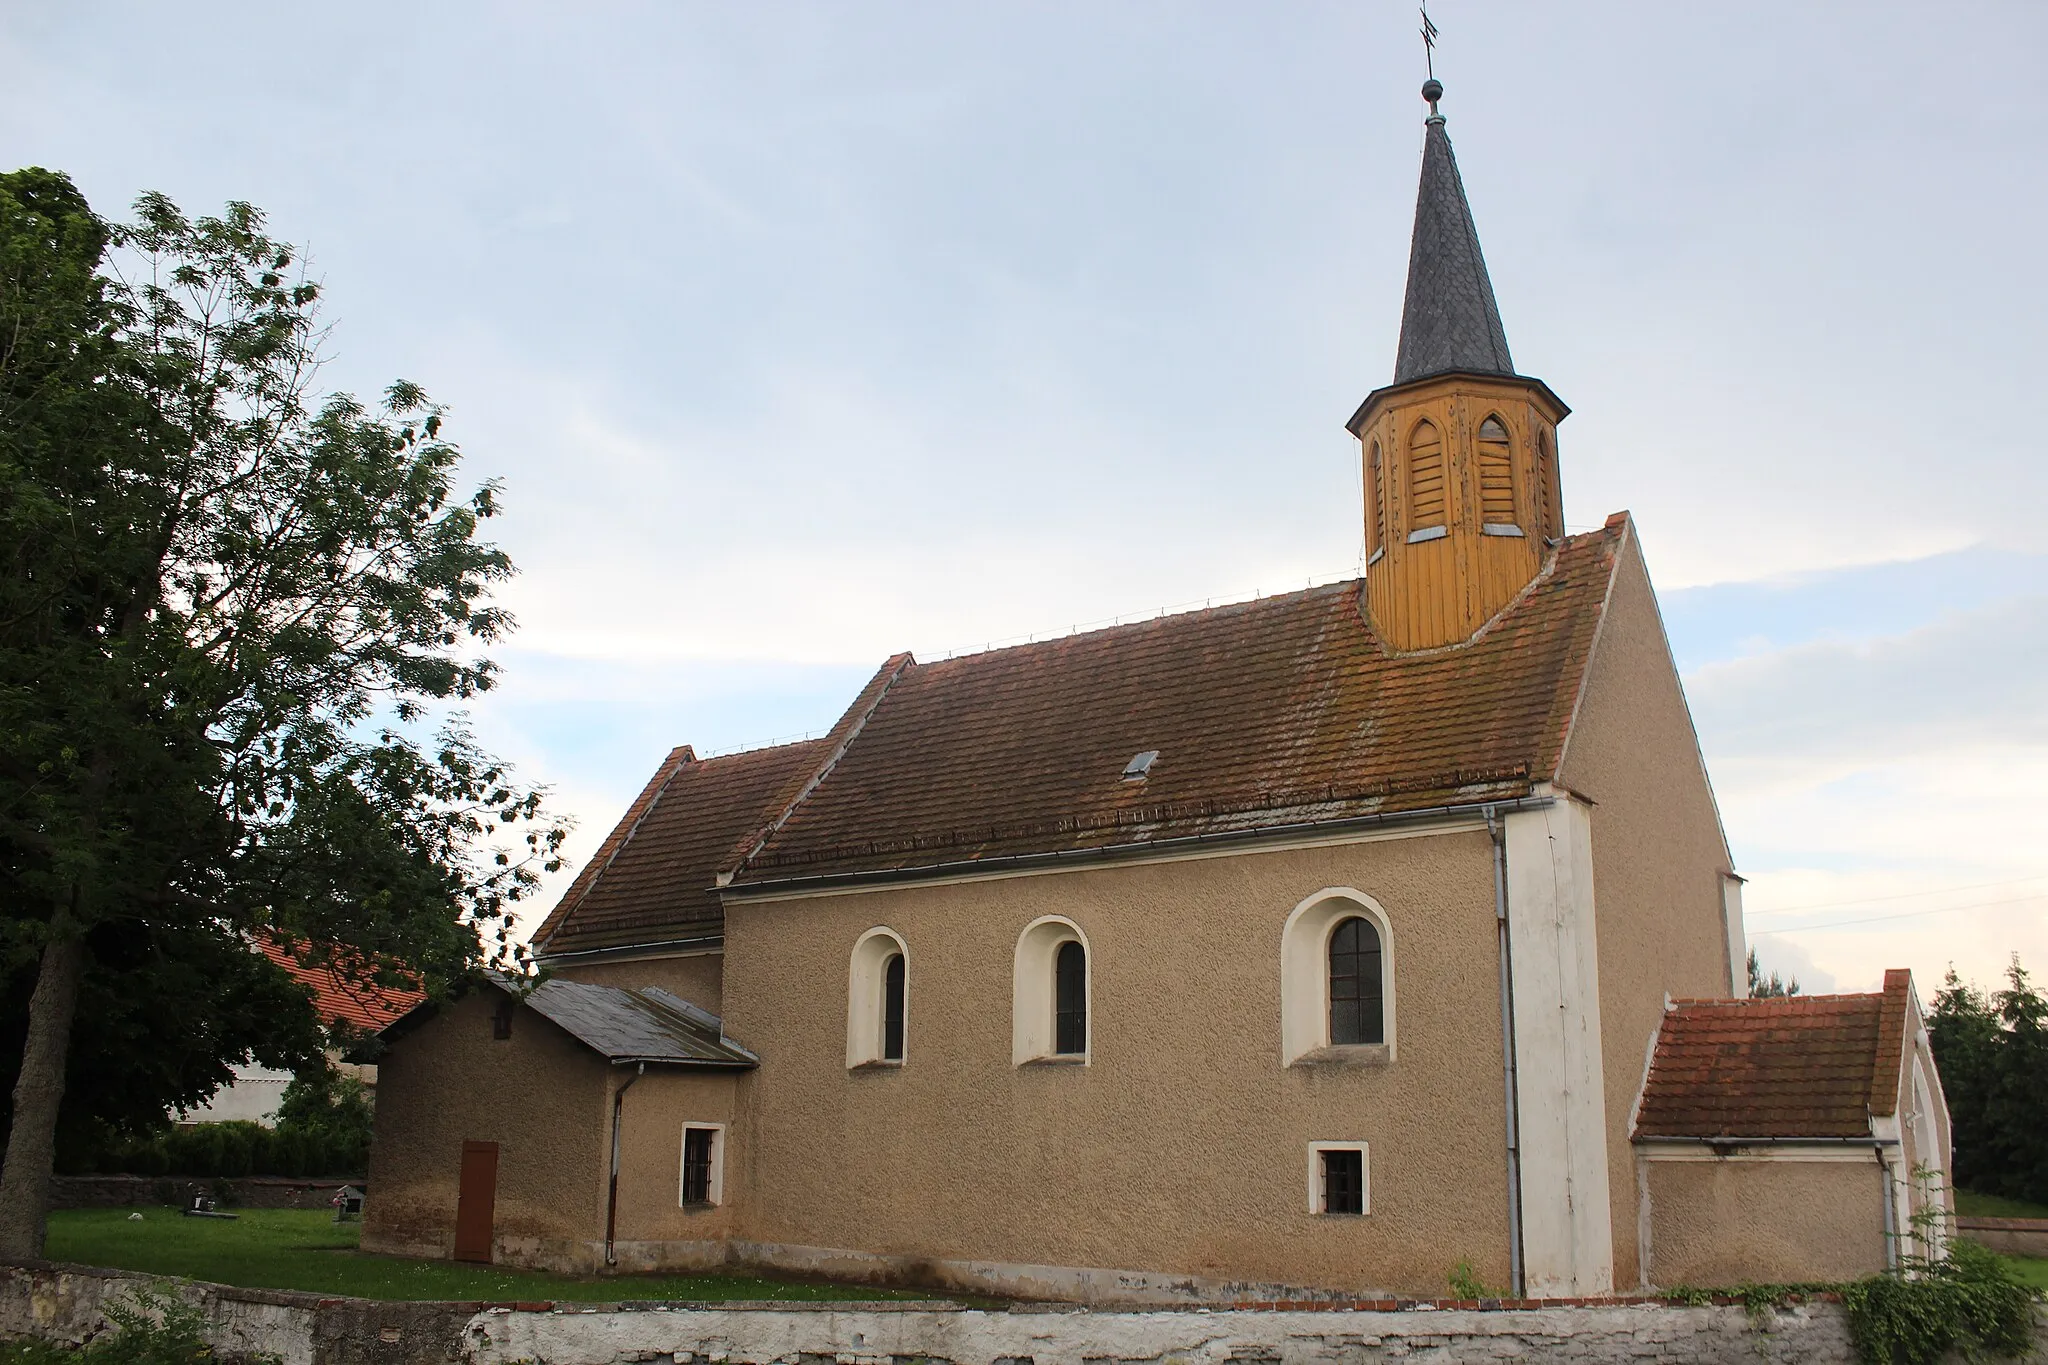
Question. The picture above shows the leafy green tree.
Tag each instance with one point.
(162, 1015)
(1763, 987)
(1992, 1051)
(230, 610)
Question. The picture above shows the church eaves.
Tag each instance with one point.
(1450, 322)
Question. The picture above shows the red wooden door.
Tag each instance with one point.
(476, 1196)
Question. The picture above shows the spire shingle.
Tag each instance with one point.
(1450, 321)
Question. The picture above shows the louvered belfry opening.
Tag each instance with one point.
(1425, 478)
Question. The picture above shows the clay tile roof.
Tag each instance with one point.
(1279, 712)
(1803, 1066)
(337, 993)
(651, 880)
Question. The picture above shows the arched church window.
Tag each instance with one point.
(1357, 1013)
(1050, 1007)
(1496, 477)
(1337, 981)
(1377, 473)
(1546, 479)
(892, 1009)
(1425, 482)
(877, 999)
(1070, 1000)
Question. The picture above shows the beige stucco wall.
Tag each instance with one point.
(1726, 1222)
(539, 1095)
(654, 1228)
(1183, 1146)
(696, 977)
(1658, 859)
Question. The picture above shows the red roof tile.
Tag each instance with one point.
(1288, 710)
(338, 994)
(652, 879)
(1280, 711)
(1791, 1067)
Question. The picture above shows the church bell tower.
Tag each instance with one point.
(1462, 501)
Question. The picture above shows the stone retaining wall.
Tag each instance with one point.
(176, 1191)
(2014, 1236)
(66, 1303)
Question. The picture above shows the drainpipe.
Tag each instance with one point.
(611, 1211)
(1516, 1277)
(1891, 1224)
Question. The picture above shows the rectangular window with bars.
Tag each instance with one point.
(1338, 1172)
(701, 1164)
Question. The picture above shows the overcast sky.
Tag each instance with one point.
(800, 334)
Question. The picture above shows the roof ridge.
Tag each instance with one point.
(1165, 614)
(1753, 1001)
(1890, 1053)
(841, 737)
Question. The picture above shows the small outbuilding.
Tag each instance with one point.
(1796, 1138)
(538, 1176)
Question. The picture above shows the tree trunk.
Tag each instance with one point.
(32, 1141)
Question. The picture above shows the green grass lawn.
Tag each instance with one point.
(1973, 1205)
(2031, 1270)
(306, 1249)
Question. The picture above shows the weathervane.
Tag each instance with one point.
(1432, 89)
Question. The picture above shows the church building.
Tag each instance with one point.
(1311, 945)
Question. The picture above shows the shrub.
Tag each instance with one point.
(1968, 1302)
(153, 1329)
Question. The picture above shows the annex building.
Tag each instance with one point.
(1318, 943)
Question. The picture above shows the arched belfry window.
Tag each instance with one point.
(1496, 478)
(1376, 476)
(1425, 482)
(1053, 993)
(1357, 1006)
(877, 999)
(1546, 479)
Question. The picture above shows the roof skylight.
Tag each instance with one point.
(1140, 764)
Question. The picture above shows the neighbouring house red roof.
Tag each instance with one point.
(1803, 1066)
(338, 996)
(1284, 711)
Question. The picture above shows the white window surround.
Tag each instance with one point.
(1305, 976)
(1315, 1176)
(864, 982)
(1032, 989)
(715, 1193)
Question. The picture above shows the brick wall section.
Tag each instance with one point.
(63, 1303)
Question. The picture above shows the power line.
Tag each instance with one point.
(1900, 896)
(1907, 914)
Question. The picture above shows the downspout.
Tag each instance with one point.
(1891, 1223)
(1516, 1279)
(611, 1211)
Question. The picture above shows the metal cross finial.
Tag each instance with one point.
(1432, 89)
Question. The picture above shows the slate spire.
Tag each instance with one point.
(1450, 321)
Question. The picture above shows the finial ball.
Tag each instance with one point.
(1432, 90)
